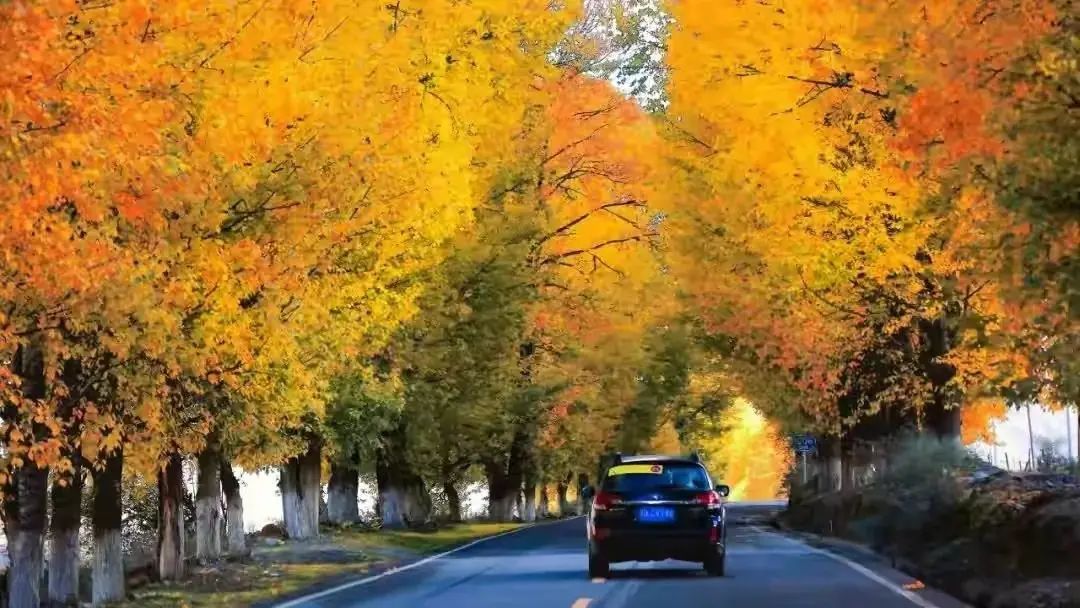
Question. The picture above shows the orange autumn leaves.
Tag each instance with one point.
(212, 196)
(825, 143)
(603, 290)
(208, 197)
(979, 419)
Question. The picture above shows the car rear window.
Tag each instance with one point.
(652, 476)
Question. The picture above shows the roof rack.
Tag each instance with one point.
(695, 457)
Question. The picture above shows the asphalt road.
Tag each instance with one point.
(545, 567)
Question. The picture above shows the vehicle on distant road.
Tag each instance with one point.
(652, 508)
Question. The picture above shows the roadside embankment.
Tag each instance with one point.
(994, 540)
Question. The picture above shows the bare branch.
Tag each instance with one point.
(573, 144)
(584, 216)
(589, 250)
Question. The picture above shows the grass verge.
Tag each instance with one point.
(281, 570)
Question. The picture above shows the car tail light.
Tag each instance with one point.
(708, 499)
(604, 501)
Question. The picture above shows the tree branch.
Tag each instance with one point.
(589, 250)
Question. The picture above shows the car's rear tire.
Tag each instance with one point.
(599, 566)
(715, 564)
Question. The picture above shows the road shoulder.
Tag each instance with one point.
(279, 571)
(873, 565)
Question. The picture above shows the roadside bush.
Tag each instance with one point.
(917, 499)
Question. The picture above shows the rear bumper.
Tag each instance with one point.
(645, 545)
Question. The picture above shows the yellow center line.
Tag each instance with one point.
(581, 602)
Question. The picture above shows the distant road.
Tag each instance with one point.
(545, 567)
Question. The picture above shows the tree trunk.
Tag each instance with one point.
(301, 490)
(107, 568)
(834, 469)
(501, 493)
(208, 517)
(450, 474)
(453, 501)
(542, 509)
(403, 497)
(582, 483)
(25, 496)
(64, 554)
(560, 491)
(171, 532)
(24, 523)
(343, 491)
(504, 481)
(529, 512)
(64, 541)
(235, 540)
(944, 415)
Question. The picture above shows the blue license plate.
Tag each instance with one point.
(656, 515)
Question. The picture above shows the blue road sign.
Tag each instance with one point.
(804, 444)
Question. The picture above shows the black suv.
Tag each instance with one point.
(652, 508)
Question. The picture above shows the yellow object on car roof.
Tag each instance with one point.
(636, 469)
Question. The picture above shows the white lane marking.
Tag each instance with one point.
(918, 600)
(581, 602)
(750, 552)
(622, 590)
(371, 579)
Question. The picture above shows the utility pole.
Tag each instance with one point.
(1031, 439)
(1068, 435)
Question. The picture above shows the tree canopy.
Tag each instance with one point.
(440, 239)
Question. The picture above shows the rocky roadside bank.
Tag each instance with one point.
(994, 540)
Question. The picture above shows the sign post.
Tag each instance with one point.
(804, 444)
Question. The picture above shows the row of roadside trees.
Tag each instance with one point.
(280, 235)
(420, 241)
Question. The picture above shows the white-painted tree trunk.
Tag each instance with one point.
(234, 527)
(529, 514)
(26, 496)
(835, 466)
(25, 550)
(64, 539)
(64, 567)
(171, 533)
(342, 504)
(107, 567)
(401, 507)
(301, 491)
(403, 497)
(417, 504)
(236, 540)
(392, 507)
(542, 509)
(501, 509)
(209, 519)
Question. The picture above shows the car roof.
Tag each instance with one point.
(657, 458)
